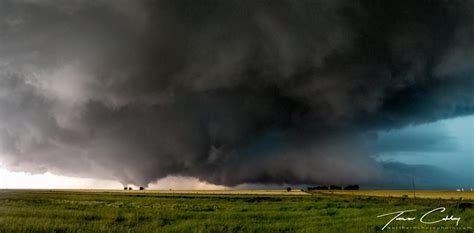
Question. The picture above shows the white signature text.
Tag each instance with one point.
(424, 219)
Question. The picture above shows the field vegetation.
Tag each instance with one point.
(223, 211)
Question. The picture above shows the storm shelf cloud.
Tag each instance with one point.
(228, 92)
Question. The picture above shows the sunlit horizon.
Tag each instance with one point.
(24, 180)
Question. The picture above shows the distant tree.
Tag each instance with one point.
(142, 188)
(352, 187)
(334, 187)
(129, 188)
(324, 187)
(288, 189)
(125, 188)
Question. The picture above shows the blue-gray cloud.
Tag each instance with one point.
(415, 139)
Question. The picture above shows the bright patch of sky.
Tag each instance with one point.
(23, 180)
(447, 144)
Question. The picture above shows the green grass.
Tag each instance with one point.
(80, 211)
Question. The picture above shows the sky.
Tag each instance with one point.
(25, 180)
(447, 144)
(228, 94)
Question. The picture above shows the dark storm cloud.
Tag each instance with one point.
(227, 91)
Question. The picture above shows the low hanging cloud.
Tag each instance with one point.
(229, 92)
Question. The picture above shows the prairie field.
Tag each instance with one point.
(226, 211)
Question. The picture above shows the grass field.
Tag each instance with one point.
(221, 211)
